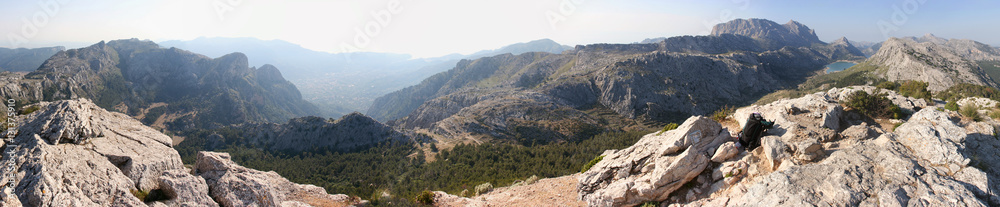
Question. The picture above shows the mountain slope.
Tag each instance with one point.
(22, 59)
(349, 133)
(530, 97)
(935, 63)
(770, 33)
(176, 88)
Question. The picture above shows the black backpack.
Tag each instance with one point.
(753, 130)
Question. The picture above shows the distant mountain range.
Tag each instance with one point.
(23, 59)
(345, 82)
(169, 88)
(537, 96)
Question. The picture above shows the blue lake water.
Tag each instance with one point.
(838, 66)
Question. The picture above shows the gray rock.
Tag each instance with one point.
(185, 189)
(652, 168)
(726, 150)
(234, 185)
(934, 138)
(73, 153)
(861, 131)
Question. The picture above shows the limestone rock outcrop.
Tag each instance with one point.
(74, 153)
(654, 167)
(816, 154)
(234, 185)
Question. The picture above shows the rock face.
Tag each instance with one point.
(654, 167)
(74, 153)
(939, 65)
(234, 185)
(353, 131)
(932, 159)
(134, 77)
(791, 34)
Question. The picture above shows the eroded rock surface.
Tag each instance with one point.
(654, 167)
(817, 154)
(234, 185)
(74, 153)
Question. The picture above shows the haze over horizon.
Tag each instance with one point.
(437, 28)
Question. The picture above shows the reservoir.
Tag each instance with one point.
(838, 66)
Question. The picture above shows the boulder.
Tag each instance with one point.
(234, 185)
(934, 138)
(726, 150)
(185, 189)
(654, 167)
(860, 131)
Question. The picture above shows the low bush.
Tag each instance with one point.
(915, 89)
(962, 90)
(995, 114)
(876, 106)
(484, 188)
(722, 113)
(970, 111)
(591, 163)
(888, 85)
(952, 105)
(668, 127)
(425, 197)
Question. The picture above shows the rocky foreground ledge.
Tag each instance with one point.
(74, 153)
(818, 154)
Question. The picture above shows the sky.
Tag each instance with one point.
(428, 28)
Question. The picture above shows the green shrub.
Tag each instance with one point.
(952, 105)
(962, 90)
(888, 85)
(668, 127)
(425, 197)
(30, 109)
(971, 111)
(141, 194)
(484, 188)
(915, 89)
(877, 106)
(464, 193)
(591, 163)
(530, 180)
(650, 204)
(995, 114)
(722, 113)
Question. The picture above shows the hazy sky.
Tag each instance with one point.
(427, 28)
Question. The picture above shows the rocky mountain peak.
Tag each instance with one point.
(938, 64)
(791, 34)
